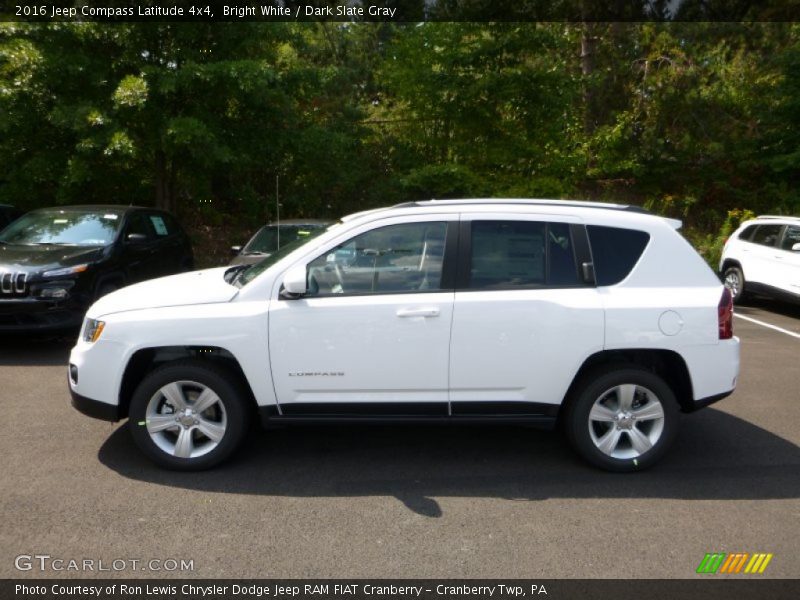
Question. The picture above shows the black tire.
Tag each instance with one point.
(597, 387)
(229, 413)
(735, 273)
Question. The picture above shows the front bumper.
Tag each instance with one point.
(95, 408)
(33, 314)
(95, 376)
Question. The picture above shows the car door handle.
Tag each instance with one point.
(418, 312)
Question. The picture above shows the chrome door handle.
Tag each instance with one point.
(418, 312)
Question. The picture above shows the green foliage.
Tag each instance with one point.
(690, 119)
(710, 245)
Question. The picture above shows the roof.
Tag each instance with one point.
(318, 222)
(97, 207)
(777, 218)
(525, 202)
(573, 207)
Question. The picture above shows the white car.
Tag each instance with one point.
(600, 317)
(763, 256)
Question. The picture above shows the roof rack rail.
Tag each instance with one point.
(790, 217)
(525, 202)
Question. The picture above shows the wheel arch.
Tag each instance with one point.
(112, 277)
(667, 364)
(145, 360)
(730, 262)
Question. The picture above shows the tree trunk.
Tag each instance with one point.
(588, 42)
(164, 183)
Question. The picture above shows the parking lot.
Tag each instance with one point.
(407, 501)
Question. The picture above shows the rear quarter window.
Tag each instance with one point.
(615, 251)
(747, 233)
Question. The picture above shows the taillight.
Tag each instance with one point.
(725, 315)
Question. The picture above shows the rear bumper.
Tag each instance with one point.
(714, 370)
(95, 408)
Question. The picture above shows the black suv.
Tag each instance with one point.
(54, 262)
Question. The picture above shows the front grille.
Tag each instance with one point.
(13, 284)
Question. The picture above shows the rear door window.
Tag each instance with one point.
(615, 251)
(521, 254)
(766, 235)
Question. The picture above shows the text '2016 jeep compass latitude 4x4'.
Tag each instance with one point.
(597, 316)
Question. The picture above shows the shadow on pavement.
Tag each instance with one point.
(780, 307)
(717, 456)
(20, 350)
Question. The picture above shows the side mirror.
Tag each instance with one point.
(136, 238)
(294, 282)
(235, 250)
(796, 247)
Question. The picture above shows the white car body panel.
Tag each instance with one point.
(512, 346)
(517, 345)
(361, 348)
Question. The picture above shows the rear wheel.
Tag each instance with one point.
(622, 420)
(188, 415)
(733, 279)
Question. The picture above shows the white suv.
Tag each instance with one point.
(598, 317)
(763, 256)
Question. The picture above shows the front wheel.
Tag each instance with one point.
(188, 416)
(733, 278)
(622, 420)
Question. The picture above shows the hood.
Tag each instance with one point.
(18, 257)
(197, 287)
(249, 259)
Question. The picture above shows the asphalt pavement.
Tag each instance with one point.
(415, 501)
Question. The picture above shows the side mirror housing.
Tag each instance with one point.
(796, 247)
(294, 282)
(136, 238)
(235, 250)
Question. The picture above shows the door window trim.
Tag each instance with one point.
(578, 238)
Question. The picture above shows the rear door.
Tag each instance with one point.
(524, 320)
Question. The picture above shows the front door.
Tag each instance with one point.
(372, 334)
(788, 261)
(760, 265)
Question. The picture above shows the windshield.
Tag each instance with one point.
(67, 227)
(271, 237)
(247, 275)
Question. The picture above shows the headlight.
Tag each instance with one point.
(92, 328)
(65, 271)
